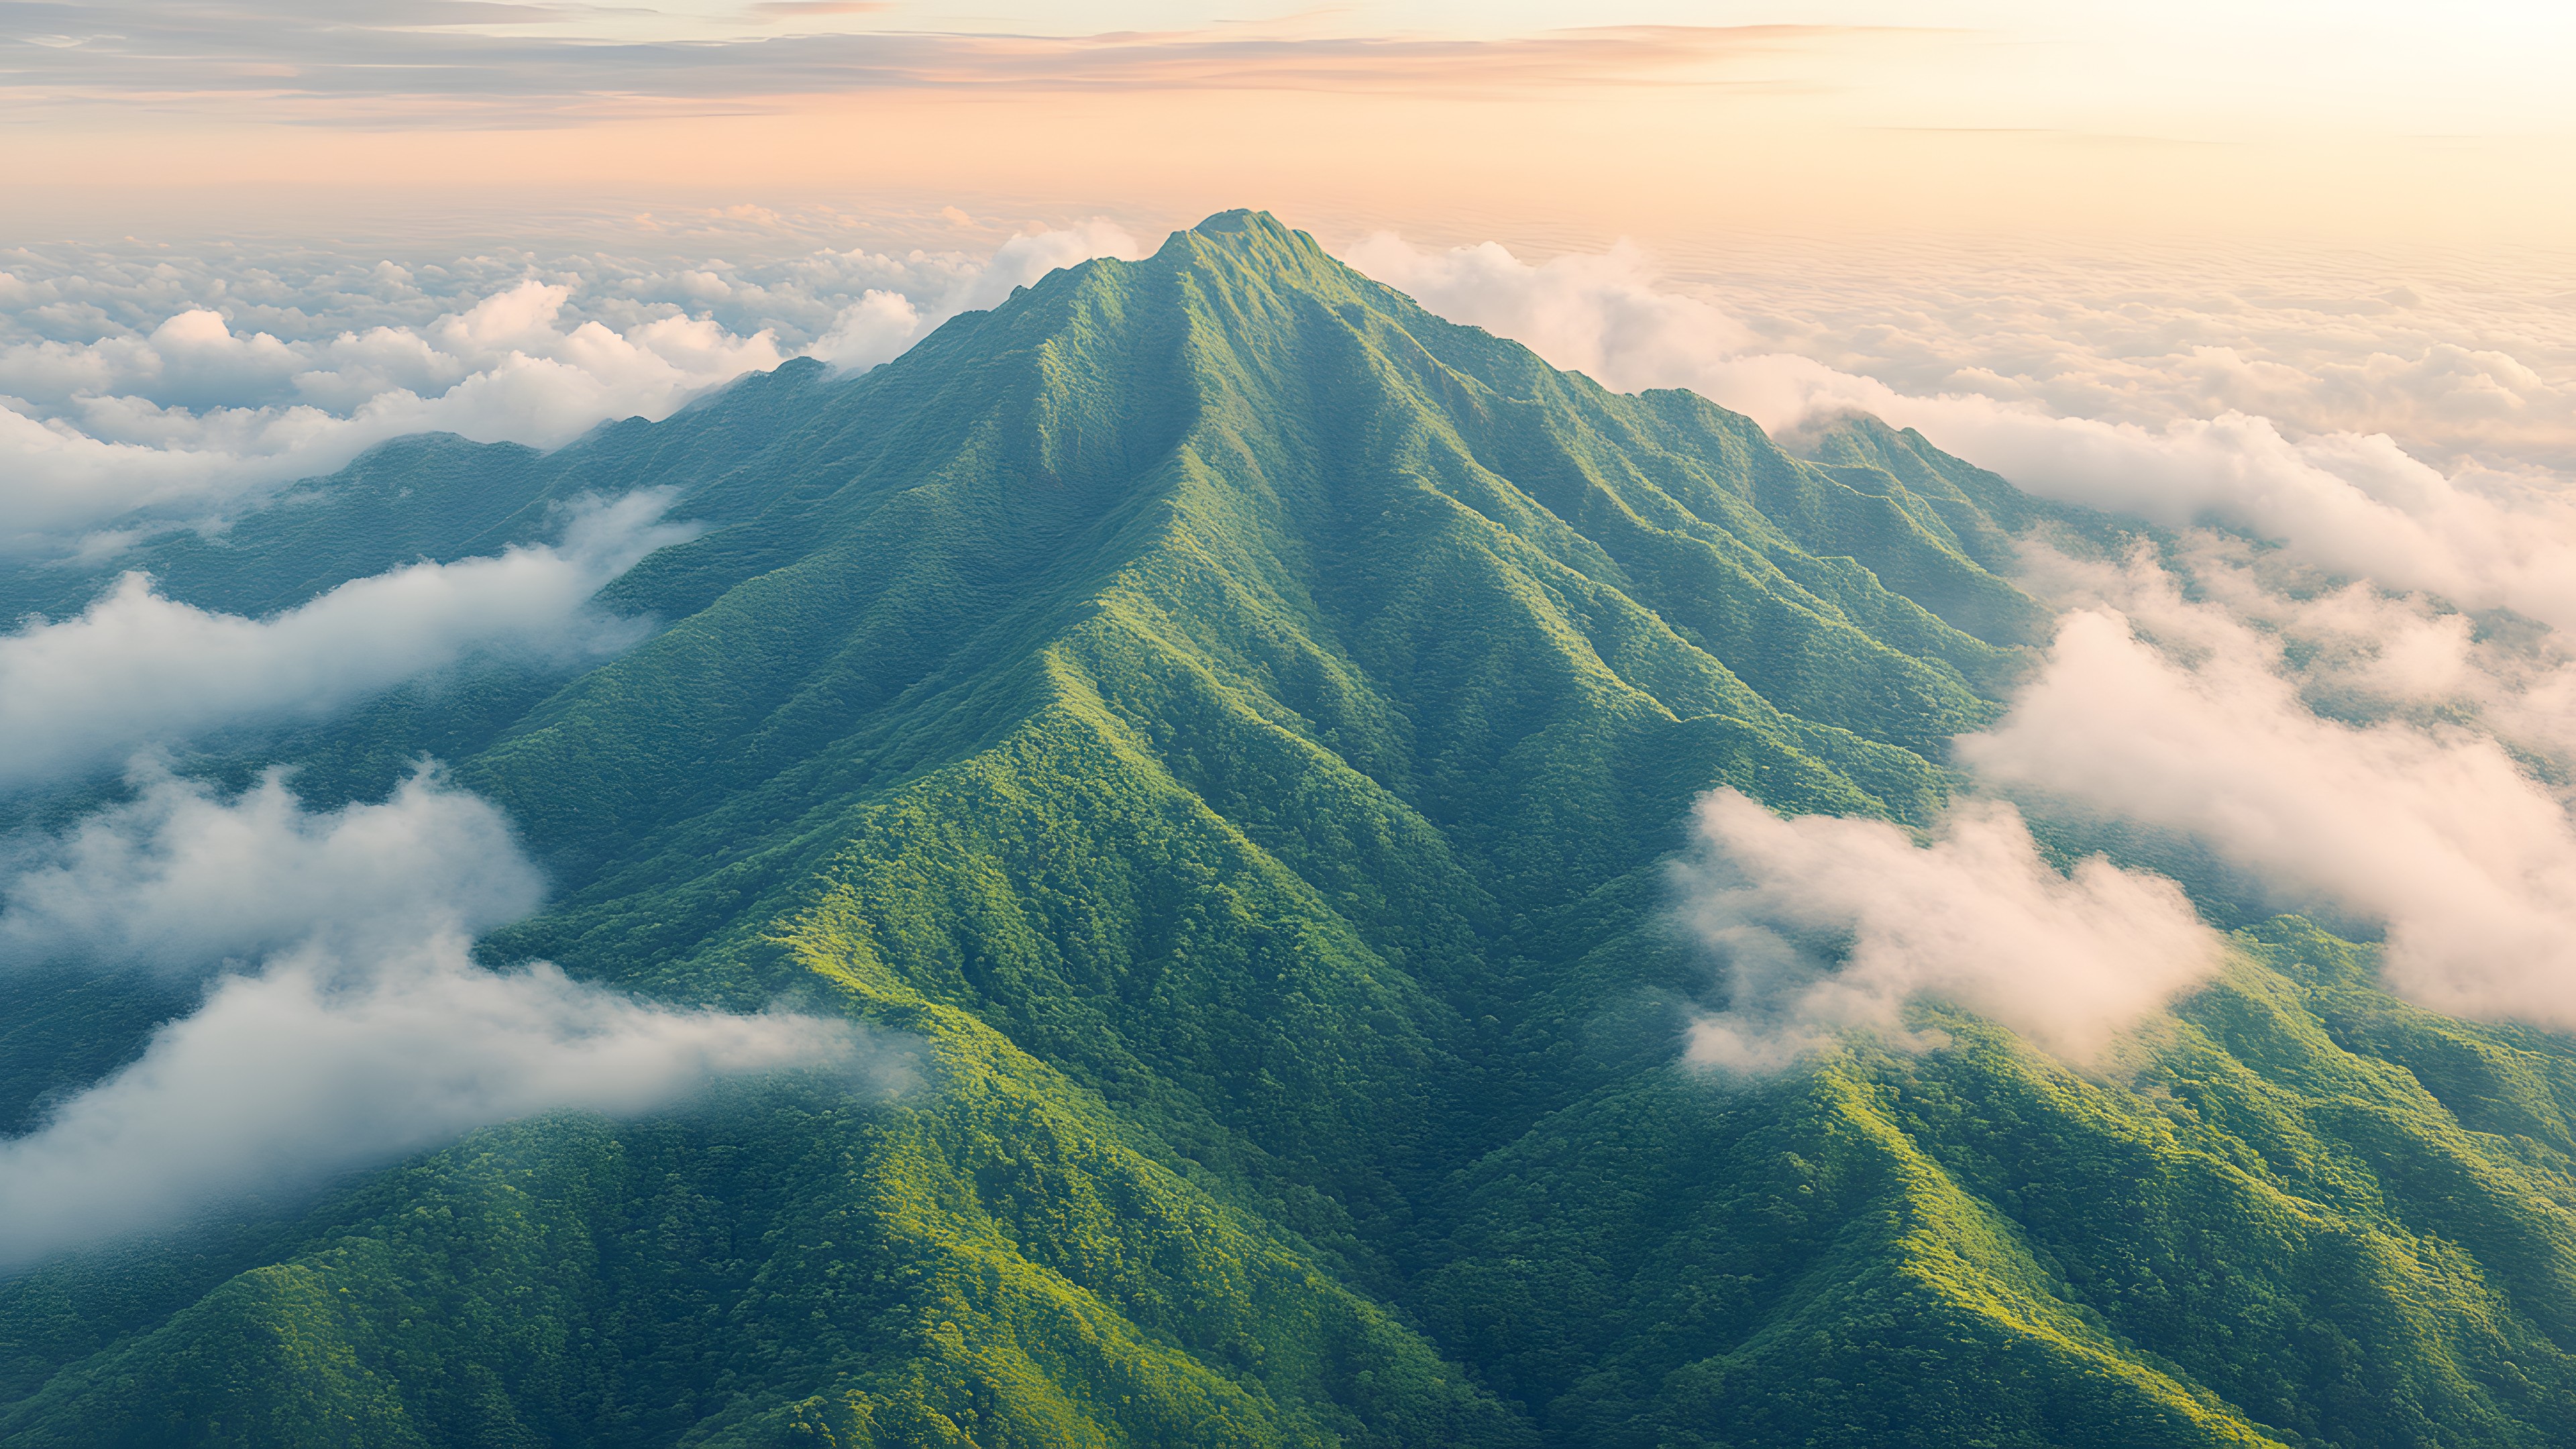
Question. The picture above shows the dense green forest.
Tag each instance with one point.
(1238, 725)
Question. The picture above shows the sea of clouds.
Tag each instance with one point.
(2348, 682)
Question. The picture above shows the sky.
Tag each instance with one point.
(2296, 281)
(1519, 121)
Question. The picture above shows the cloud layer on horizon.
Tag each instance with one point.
(188, 387)
(2456, 356)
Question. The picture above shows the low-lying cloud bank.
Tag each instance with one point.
(365, 1033)
(1827, 925)
(137, 669)
(2352, 751)
(2188, 716)
(132, 384)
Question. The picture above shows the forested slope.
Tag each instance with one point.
(1237, 723)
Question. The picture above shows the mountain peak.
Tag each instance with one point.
(1243, 220)
(1246, 235)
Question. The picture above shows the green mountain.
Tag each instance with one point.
(1239, 724)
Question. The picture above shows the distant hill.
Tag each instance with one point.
(1240, 722)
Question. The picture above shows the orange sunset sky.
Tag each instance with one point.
(1538, 123)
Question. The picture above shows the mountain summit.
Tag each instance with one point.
(1238, 724)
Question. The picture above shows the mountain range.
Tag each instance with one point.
(1236, 728)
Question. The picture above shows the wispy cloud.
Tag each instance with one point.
(1825, 925)
(180, 880)
(136, 669)
(365, 1032)
(420, 64)
(285, 1078)
(778, 10)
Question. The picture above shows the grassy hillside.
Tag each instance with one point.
(1236, 722)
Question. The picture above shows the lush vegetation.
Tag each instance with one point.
(1236, 722)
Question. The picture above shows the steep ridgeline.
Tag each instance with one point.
(1237, 721)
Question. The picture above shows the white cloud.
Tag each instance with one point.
(1600, 315)
(136, 668)
(2424, 824)
(367, 1035)
(876, 328)
(2195, 717)
(180, 880)
(1829, 925)
(184, 387)
(2361, 651)
(881, 324)
(194, 416)
(286, 1077)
